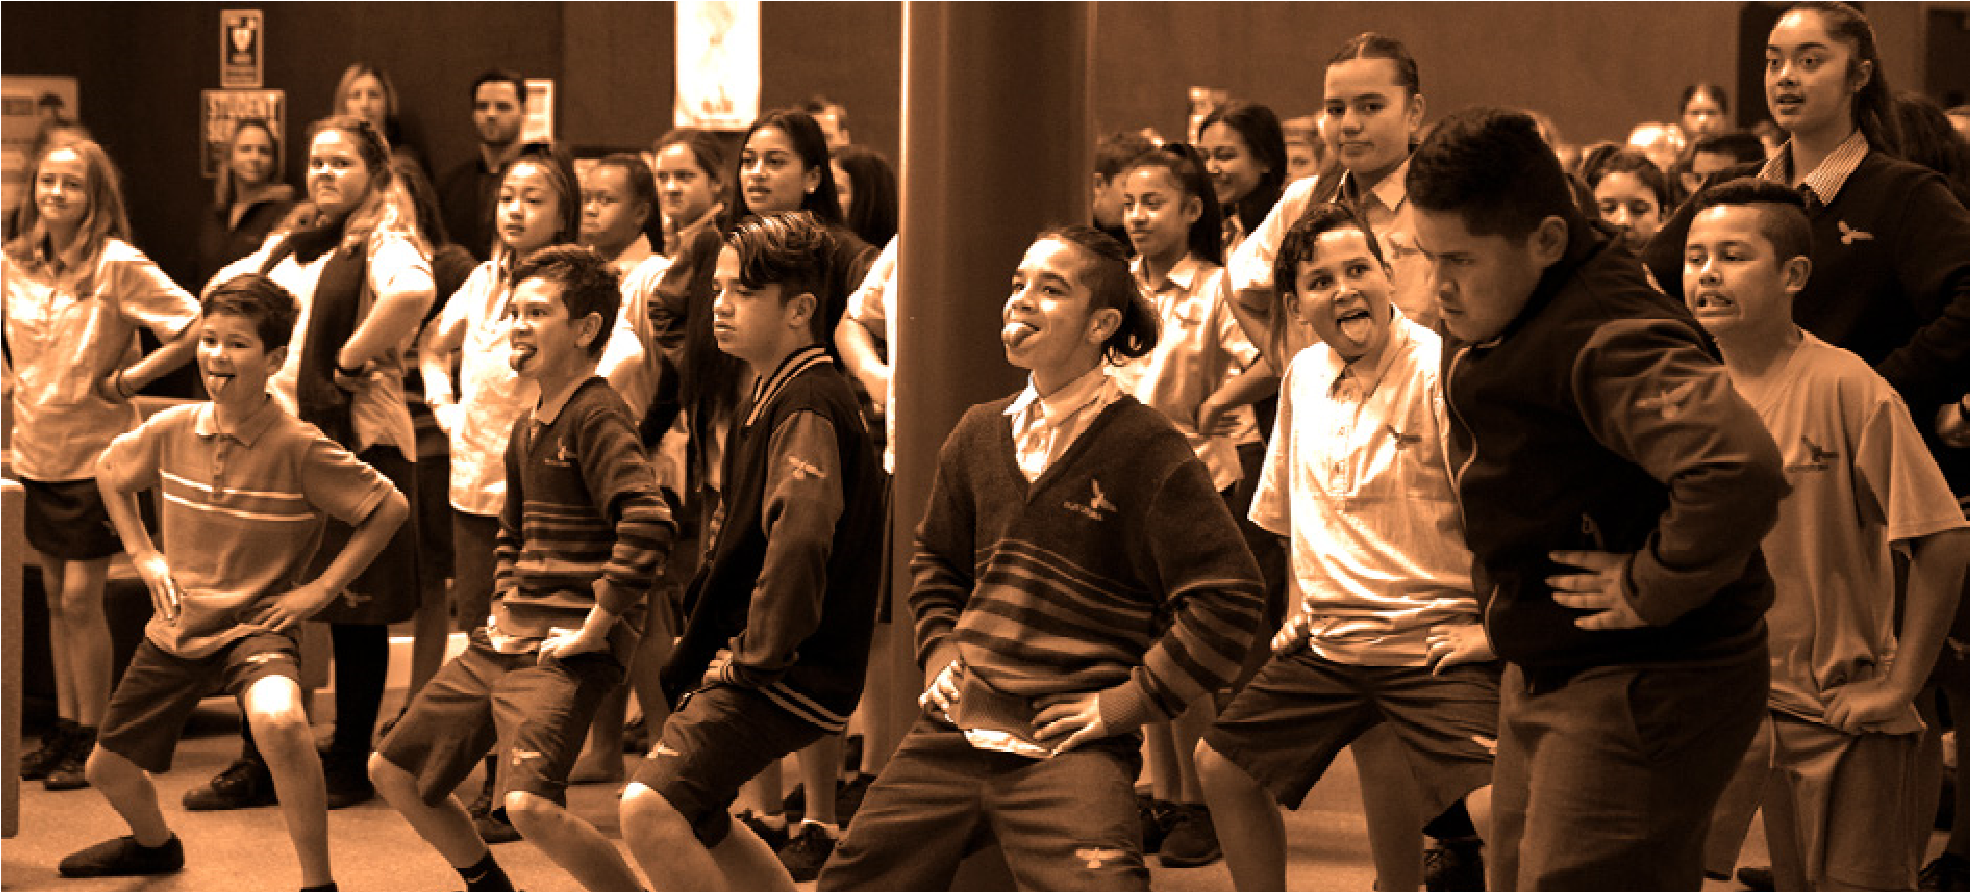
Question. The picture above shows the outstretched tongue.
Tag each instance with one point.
(1016, 333)
(521, 355)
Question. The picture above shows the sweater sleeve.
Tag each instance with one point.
(802, 503)
(1649, 394)
(1932, 266)
(1212, 592)
(943, 568)
(620, 484)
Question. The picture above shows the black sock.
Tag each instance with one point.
(325, 887)
(485, 876)
(1453, 825)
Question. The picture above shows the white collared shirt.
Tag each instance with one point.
(1199, 348)
(1044, 426)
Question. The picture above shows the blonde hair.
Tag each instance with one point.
(105, 220)
(389, 207)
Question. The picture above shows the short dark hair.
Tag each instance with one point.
(1632, 161)
(1116, 150)
(642, 184)
(1296, 247)
(1781, 212)
(589, 284)
(791, 250)
(1741, 145)
(1112, 286)
(1490, 166)
(252, 296)
(1717, 93)
(500, 76)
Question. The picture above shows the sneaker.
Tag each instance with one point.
(1757, 878)
(54, 745)
(1454, 865)
(775, 839)
(1158, 819)
(806, 851)
(1193, 839)
(72, 772)
(849, 800)
(494, 828)
(1950, 872)
(347, 778)
(244, 784)
(123, 857)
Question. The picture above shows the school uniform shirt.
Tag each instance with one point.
(874, 306)
(70, 322)
(1117, 572)
(242, 511)
(584, 524)
(1863, 485)
(641, 383)
(1355, 479)
(1385, 208)
(491, 396)
(1043, 427)
(1198, 349)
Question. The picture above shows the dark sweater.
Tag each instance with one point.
(791, 581)
(583, 522)
(1600, 420)
(1118, 571)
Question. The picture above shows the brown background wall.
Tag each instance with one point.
(1596, 67)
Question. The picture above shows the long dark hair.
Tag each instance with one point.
(812, 146)
(1186, 168)
(1259, 128)
(871, 212)
(1874, 103)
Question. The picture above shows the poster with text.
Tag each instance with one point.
(220, 110)
(242, 47)
(717, 64)
(27, 106)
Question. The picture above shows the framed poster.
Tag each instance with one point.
(28, 105)
(219, 110)
(539, 125)
(242, 43)
(717, 64)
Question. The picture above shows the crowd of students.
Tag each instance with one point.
(1592, 498)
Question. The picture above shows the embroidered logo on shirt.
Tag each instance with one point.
(1094, 858)
(563, 456)
(802, 468)
(1669, 402)
(1097, 503)
(1850, 235)
(521, 756)
(1815, 460)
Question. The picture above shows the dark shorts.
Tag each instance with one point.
(723, 737)
(157, 694)
(536, 711)
(1287, 725)
(66, 520)
(472, 538)
(388, 590)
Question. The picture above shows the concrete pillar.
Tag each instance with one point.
(996, 145)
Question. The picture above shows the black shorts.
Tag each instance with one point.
(723, 737)
(388, 590)
(65, 519)
(1285, 728)
(157, 694)
(536, 710)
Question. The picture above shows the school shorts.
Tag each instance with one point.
(1069, 823)
(537, 711)
(1286, 726)
(723, 737)
(1851, 802)
(66, 520)
(388, 590)
(156, 696)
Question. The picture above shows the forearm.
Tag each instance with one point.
(124, 515)
(858, 351)
(159, 362)
(393, 315)
(1935, 582)
(1249, 386)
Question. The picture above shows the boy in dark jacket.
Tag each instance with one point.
(1614, 489)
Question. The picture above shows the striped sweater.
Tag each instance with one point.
(1119, 571)
(583, 522)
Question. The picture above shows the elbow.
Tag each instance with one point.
(391, 513)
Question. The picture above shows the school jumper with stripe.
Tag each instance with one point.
(1118, 571)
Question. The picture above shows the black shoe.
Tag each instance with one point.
(244, 784)
(1950, 872)
(775, 839)
(1158, 819)
(347, 778)
(72, 772)
(495, 829)
(1758, 878)
(54, 745)
(849, 800)
(123, 857)
(1454, 865)
(795, 805)
(806, 851)
(1193, 839)
(636, 737)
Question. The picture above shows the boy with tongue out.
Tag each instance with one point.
(1076, 576)
(1386, 631)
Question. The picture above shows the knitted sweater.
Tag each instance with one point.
(1119, 571)
(583, 521)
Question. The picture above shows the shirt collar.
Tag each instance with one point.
(1830, 176)
(1399, 339)
(1063, 402)
(247, 432)
(1391, 192)
(1182, 275)
(765, 389)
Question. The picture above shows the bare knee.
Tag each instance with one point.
(389, 779)
(530, 811)
(647, 814)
